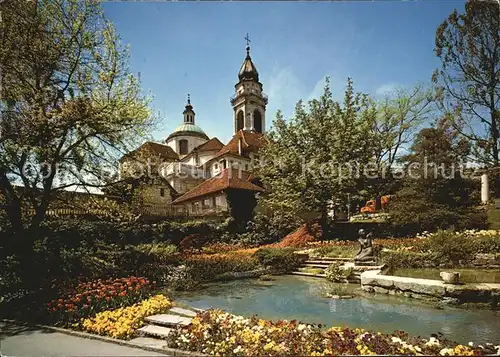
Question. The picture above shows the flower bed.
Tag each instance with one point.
(123, 322)
(89, 298)
(216, 332)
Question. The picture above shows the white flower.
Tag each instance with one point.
(433, 341)
(301, 327)
(237, 349)
(471, 344)
(446, 351)
(396, 339)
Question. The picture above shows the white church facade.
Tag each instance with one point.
(199, 170)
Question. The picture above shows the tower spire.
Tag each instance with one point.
(249, 102)
(189, 112)
(247, 38)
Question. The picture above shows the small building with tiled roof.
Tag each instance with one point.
(210, 196)
(141, 171)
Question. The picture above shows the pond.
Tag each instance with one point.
(466, 275)
(301, 298)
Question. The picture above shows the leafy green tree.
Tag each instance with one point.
(468, 45)
(436, 192)
(398, 117)
(315, 156)
(70, 105)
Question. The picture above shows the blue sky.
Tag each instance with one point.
(198, 48)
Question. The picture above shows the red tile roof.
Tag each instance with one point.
(250, 142)
(213, 144)
(227, 179)
(150, 148)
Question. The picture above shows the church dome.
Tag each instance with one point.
(187, 129)
(248, 69)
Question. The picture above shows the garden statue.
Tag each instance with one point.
(365, 253)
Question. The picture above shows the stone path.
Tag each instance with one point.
(159, 326)
(23, 341)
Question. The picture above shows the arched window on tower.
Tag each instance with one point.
(240, 121)
(183, 147)
(257, 121)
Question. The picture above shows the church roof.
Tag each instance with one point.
(213, 144)
(248, 69)
(188, 129)
(227, 179)
(149, 148)
(250, 142)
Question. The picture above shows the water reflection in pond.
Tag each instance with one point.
(301, 298)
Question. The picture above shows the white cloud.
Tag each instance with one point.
(285, 90)
(386, 89)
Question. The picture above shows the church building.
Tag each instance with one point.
(199, 170)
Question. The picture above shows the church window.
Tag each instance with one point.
(257, 121)
(183, 147)
(240, 121)
(162, 192)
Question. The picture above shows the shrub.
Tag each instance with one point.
(206, 267)
(336, 273)
(122, 323)
(407, 259)
(412, 216)
(307, 233)
(280, 259)
(486, 242)
(192, 242)
(449, 248)
(266, 229)
(181, 278)
(158, 251)
(347, 250)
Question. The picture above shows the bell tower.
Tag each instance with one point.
(249, 101)
(189, 113)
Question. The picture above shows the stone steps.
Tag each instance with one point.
(154, 331)
(308, 274)
(183, 312)
(168, 320)
(159, 326)
(310, 265)
(334, 259)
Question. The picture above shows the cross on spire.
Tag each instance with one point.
(248, 40)
(189, 98)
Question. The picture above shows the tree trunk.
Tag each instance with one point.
(323, 221)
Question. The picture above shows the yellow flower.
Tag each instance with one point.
(121, 323)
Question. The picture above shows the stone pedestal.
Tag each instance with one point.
(485, 189)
